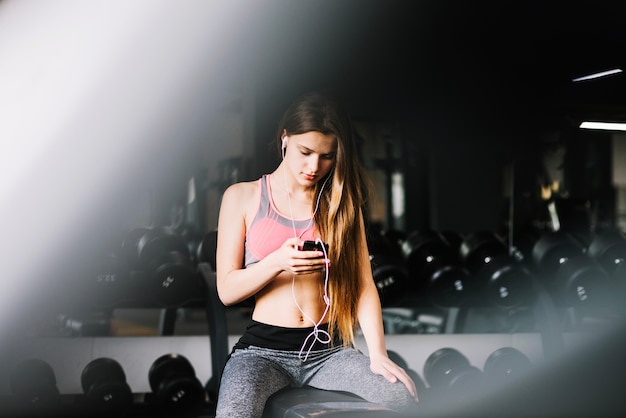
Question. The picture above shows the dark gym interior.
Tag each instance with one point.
(496, 227)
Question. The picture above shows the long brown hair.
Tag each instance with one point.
(341, 205)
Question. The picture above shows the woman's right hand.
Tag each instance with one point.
(294, 260)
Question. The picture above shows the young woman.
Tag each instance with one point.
(307, 302)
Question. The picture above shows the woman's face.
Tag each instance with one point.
(310, 156)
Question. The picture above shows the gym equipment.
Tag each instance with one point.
(522, 242)
(103, 278)
(435, 269)
(504, 365)
(113, 278)
(388, 267)
(619, 280)
(171, 277)
(581, 283)
(498, 279)
(506, 283)
(205, 252)
(175, 387)
(218, 329)
(447, 286)
(309, 402)
(572, 277)
(449, 373)
(193, 239)
(391, 278)
(107, 284)
(395, 238)
(401, 320)
(128, 247)
(104, 384)
(425, 252)
(608, 248)
(143, 268)
(89, 323)
(553, 249)
(480, 248)
(33, 385)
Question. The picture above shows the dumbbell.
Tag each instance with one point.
(505, 365)
(104, 281)
(175, 387)
(391, 278)
(608, 248)
(205, 252)
(480, 248)
(389, 269)
(115, 275)
(553, 249)
(571, 275)
(523, 241)
(434, 269)
(129, 244)
(104, 384)
(33, 386)
(449, 373)
(582, 283)
(498, 279)
(171, 277)
(108, 283)
(394, 238)
(192, 237)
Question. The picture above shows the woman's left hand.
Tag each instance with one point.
(385, 367)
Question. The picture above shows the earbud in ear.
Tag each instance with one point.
(284, 145)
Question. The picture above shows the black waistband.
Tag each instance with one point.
(279, 338)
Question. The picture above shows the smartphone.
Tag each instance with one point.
(314, 246)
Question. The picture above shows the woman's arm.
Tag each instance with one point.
(369, 314)
(235, 283)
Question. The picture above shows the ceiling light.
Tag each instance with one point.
(598, 75)
(606, 126)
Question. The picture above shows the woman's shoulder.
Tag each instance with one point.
(242, 190)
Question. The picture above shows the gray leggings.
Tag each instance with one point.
(253, 374)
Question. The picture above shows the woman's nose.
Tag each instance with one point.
(313, 164)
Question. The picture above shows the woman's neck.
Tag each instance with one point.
(281, 183)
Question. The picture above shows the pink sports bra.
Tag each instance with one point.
(269, 229)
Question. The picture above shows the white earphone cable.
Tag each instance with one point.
(316, 332)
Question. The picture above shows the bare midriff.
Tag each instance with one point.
(275, 304)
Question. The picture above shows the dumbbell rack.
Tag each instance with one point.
(142, 268)
(68, 356)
